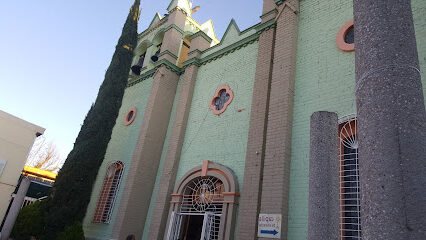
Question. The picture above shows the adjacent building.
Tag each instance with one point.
(16, 139)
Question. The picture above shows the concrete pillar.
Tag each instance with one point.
(391, 121)
(324, 177)
(14, 208)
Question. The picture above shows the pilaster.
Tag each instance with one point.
(131, 214)
(256, 142)
(276, 169)
(168, 177)
(172, 39)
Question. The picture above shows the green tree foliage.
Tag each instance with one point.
(73, 232)
(70, 195)
(29, 222)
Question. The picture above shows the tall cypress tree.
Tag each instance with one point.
(71, 192)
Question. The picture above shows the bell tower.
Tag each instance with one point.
(166, 46)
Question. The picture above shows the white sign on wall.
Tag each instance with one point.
(269, 226)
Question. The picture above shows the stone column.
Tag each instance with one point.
(324, 177)
(14, 208)
(157, 229)
(391, 121)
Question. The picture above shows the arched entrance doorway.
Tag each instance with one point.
(203, 205)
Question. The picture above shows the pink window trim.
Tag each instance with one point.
(231, 96)
(127, 122)
(340, 38)
(102, 211)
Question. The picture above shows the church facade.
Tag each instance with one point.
(213, 138)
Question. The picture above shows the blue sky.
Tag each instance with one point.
(54, 54)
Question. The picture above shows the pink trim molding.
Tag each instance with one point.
(204, 168)
(128, 121)
(340, 38)
(231, 96)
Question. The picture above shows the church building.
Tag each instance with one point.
(230, 138)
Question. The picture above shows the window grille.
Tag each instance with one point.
(203, 197)
(350, 221)
(108, 193)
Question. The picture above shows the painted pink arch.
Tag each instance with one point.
(340, 38)
(230, 194)
(130, 116)
(231, 96)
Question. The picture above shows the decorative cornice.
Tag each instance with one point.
(163, 62)
(134, 80)
(179, 9)
(209, 58)
(239, 44)
(231, 48)
(202, 34)
(265, 26)
(149, 30)
(195, 51)
(193, 23)
(169, 53)
(175, 27)
(269, 13)
(192, 61)
(166, 63)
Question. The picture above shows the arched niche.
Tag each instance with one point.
(140, 57)
(156, 42)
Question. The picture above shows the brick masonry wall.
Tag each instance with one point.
(220, 138)
(253, 171)
(275, 186)
(120, 148)
(134, 206)
(162, 160)
(325, 81)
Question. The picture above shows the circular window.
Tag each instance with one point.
(130, 116)
(345, 37)
(221, 99)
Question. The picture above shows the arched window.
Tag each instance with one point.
(108, 193)
(350, 219)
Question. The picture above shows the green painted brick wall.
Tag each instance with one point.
(162, 160)
(220, 138)
(120, 148)
(325, 80)
(419, 10)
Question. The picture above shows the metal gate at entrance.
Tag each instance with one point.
(199, 214)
